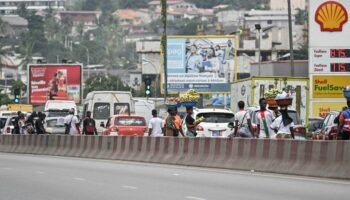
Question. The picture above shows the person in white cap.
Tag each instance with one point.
(72, 123)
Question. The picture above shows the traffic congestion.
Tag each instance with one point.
(273, 118)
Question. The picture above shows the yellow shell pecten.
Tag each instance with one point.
(331, 16)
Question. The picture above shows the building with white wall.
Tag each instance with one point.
(10, 6)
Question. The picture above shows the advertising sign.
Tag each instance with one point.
(329, 23)
(321, 109)
(329, 86)
(205, 64)
(54, 82)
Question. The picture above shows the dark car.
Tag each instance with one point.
(329, 128)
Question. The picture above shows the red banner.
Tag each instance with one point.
(54, 82)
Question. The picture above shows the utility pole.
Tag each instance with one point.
(164, 45)
(290, 37)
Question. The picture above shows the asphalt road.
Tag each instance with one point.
(28, 177)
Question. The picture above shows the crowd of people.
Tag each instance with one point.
(35, 124)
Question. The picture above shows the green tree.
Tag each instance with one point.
(133, 3)
(302, 53)
(104, 83)
(36, 34)
(4, 99)
(19, 85)
(188, 26)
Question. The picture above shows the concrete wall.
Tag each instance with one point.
(310, 158)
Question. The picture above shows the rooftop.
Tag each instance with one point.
(14, 20)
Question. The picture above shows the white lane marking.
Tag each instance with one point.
(129, 187)
(40, 172)
(176, 174)
(194, 198)
(79, 179)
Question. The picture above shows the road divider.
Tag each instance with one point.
(310, 158)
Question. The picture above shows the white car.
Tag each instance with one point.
(215, 123)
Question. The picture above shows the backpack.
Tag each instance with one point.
(90, 126)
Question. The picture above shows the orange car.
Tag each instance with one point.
(125, 125)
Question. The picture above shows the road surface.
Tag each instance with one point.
(29, 177)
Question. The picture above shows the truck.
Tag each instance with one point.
(105, 104)
(59, 108)
(250, 90)
(144, 108)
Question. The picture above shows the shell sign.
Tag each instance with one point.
(331, 16)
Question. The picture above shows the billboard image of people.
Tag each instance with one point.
(54, 82)
(205, 64)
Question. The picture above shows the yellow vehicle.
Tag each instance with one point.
(20, 107)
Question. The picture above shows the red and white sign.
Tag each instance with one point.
(55, 82)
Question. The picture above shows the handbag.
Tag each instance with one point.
(243, 130)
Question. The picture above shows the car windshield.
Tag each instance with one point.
(2, 122)
(216, 117)
(102, 110)
(291, 113)
(130, 121)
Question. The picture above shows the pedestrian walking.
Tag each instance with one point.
(16, 129)
(178, 124)
(89, 125)
(170, 128)
(155, 125)
(30, 123)
(190, 123)
(243, 124)
(283, 125)
(72, 123)
(344, 123)
(264, 120)
(39, 124)
(22, 124)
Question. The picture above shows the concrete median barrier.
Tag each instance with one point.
(310, 158)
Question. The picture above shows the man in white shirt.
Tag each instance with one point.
(155, 125)
(242, 119)
(72, 123)
(264, 119)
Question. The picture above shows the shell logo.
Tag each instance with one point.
(331, 16)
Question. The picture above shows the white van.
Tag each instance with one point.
(59, 108)
(105, 104)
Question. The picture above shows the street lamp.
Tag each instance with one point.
(87, 57)
(258, 28)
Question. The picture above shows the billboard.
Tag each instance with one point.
(54, 82)
(329, 86)
(206, 64)
(321, 109)
(326, 30)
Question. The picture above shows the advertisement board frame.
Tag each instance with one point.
(235, 66)
(80, 65)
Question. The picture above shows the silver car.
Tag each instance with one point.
(6, 124)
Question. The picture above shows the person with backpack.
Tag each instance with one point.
(89, 125)
(344, 123)
(72, 123)
(243, 124)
